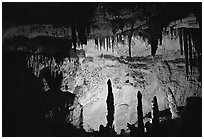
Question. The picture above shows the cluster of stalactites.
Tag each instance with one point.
(190, 46)
(105, 42)
(189, 39)
(110, 42)
(38, 62)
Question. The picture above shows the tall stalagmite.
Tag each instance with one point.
(155, 112)
(110, 106)
(140, 114)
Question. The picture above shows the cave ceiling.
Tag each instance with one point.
(106, 17)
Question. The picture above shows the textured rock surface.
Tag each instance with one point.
(151, 77)
(87, 76)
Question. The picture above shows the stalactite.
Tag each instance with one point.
(38, 61)
(74, 40)
(107, 43)
(130, 39)
(194, 52)
(100, 43)
(190, 50)
(78, 43)
(154, 43)
(181, 40)
(186, 51)
(96, 42)
(113, 41)
(197, 53)
(117, 39)
(198, 45)
(120, 37)
(103, 42)
(110, 44)
(175, 33)
(160, 38)
(171, 32)
(82, 35)
(195, 47)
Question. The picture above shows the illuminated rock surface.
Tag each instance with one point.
(152, 78)
(86, 76)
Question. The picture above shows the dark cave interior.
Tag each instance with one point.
(53, 53)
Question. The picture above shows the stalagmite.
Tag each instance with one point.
(110, 106)
(140, 114)
(155, 112)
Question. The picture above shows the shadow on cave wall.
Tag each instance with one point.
(24, 103)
